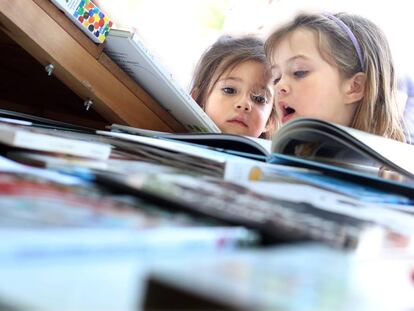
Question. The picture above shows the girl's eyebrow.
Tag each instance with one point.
(232, 78)
(291, 60)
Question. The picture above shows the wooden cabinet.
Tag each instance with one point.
(35, 34)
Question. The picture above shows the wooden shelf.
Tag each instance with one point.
(82, 71)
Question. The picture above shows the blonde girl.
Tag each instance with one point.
(335, 67)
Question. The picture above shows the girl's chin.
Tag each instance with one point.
(236, 131)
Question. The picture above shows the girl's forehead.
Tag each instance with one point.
(252, 69)
(301, 41)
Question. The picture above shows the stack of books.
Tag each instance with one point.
(283, 195)
(131, 194)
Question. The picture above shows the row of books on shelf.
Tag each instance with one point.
(69, 192)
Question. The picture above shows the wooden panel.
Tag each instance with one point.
(25, 87)
(52, 10)
(56, 115)
(26, 23)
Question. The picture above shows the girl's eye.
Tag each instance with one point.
(259, 99)
(229, 90)
(276, 81)
(300, 73)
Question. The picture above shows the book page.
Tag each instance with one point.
(315, 145)
(320, 141)
(231, 143)
(401, 154)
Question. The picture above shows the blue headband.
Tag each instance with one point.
(350, 35)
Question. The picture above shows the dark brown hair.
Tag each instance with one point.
(225, 54)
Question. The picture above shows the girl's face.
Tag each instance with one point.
(306, 85)
(241, 100)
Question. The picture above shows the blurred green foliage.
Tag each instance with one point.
(214, 14)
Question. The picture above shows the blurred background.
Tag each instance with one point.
(179, 31)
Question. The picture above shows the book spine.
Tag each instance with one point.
(47, 143)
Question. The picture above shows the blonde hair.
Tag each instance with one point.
(225, 54)
(378, 112)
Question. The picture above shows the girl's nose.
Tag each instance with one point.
(282, 87)
(283, 91)
(244, 104)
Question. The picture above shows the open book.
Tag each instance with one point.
(256, 148)
(130, 53)
(312, 144)
(330, 143)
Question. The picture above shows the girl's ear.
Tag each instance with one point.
(355, 88)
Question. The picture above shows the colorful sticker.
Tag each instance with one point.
(93, 19)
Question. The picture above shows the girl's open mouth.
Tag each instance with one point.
(287, 112)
